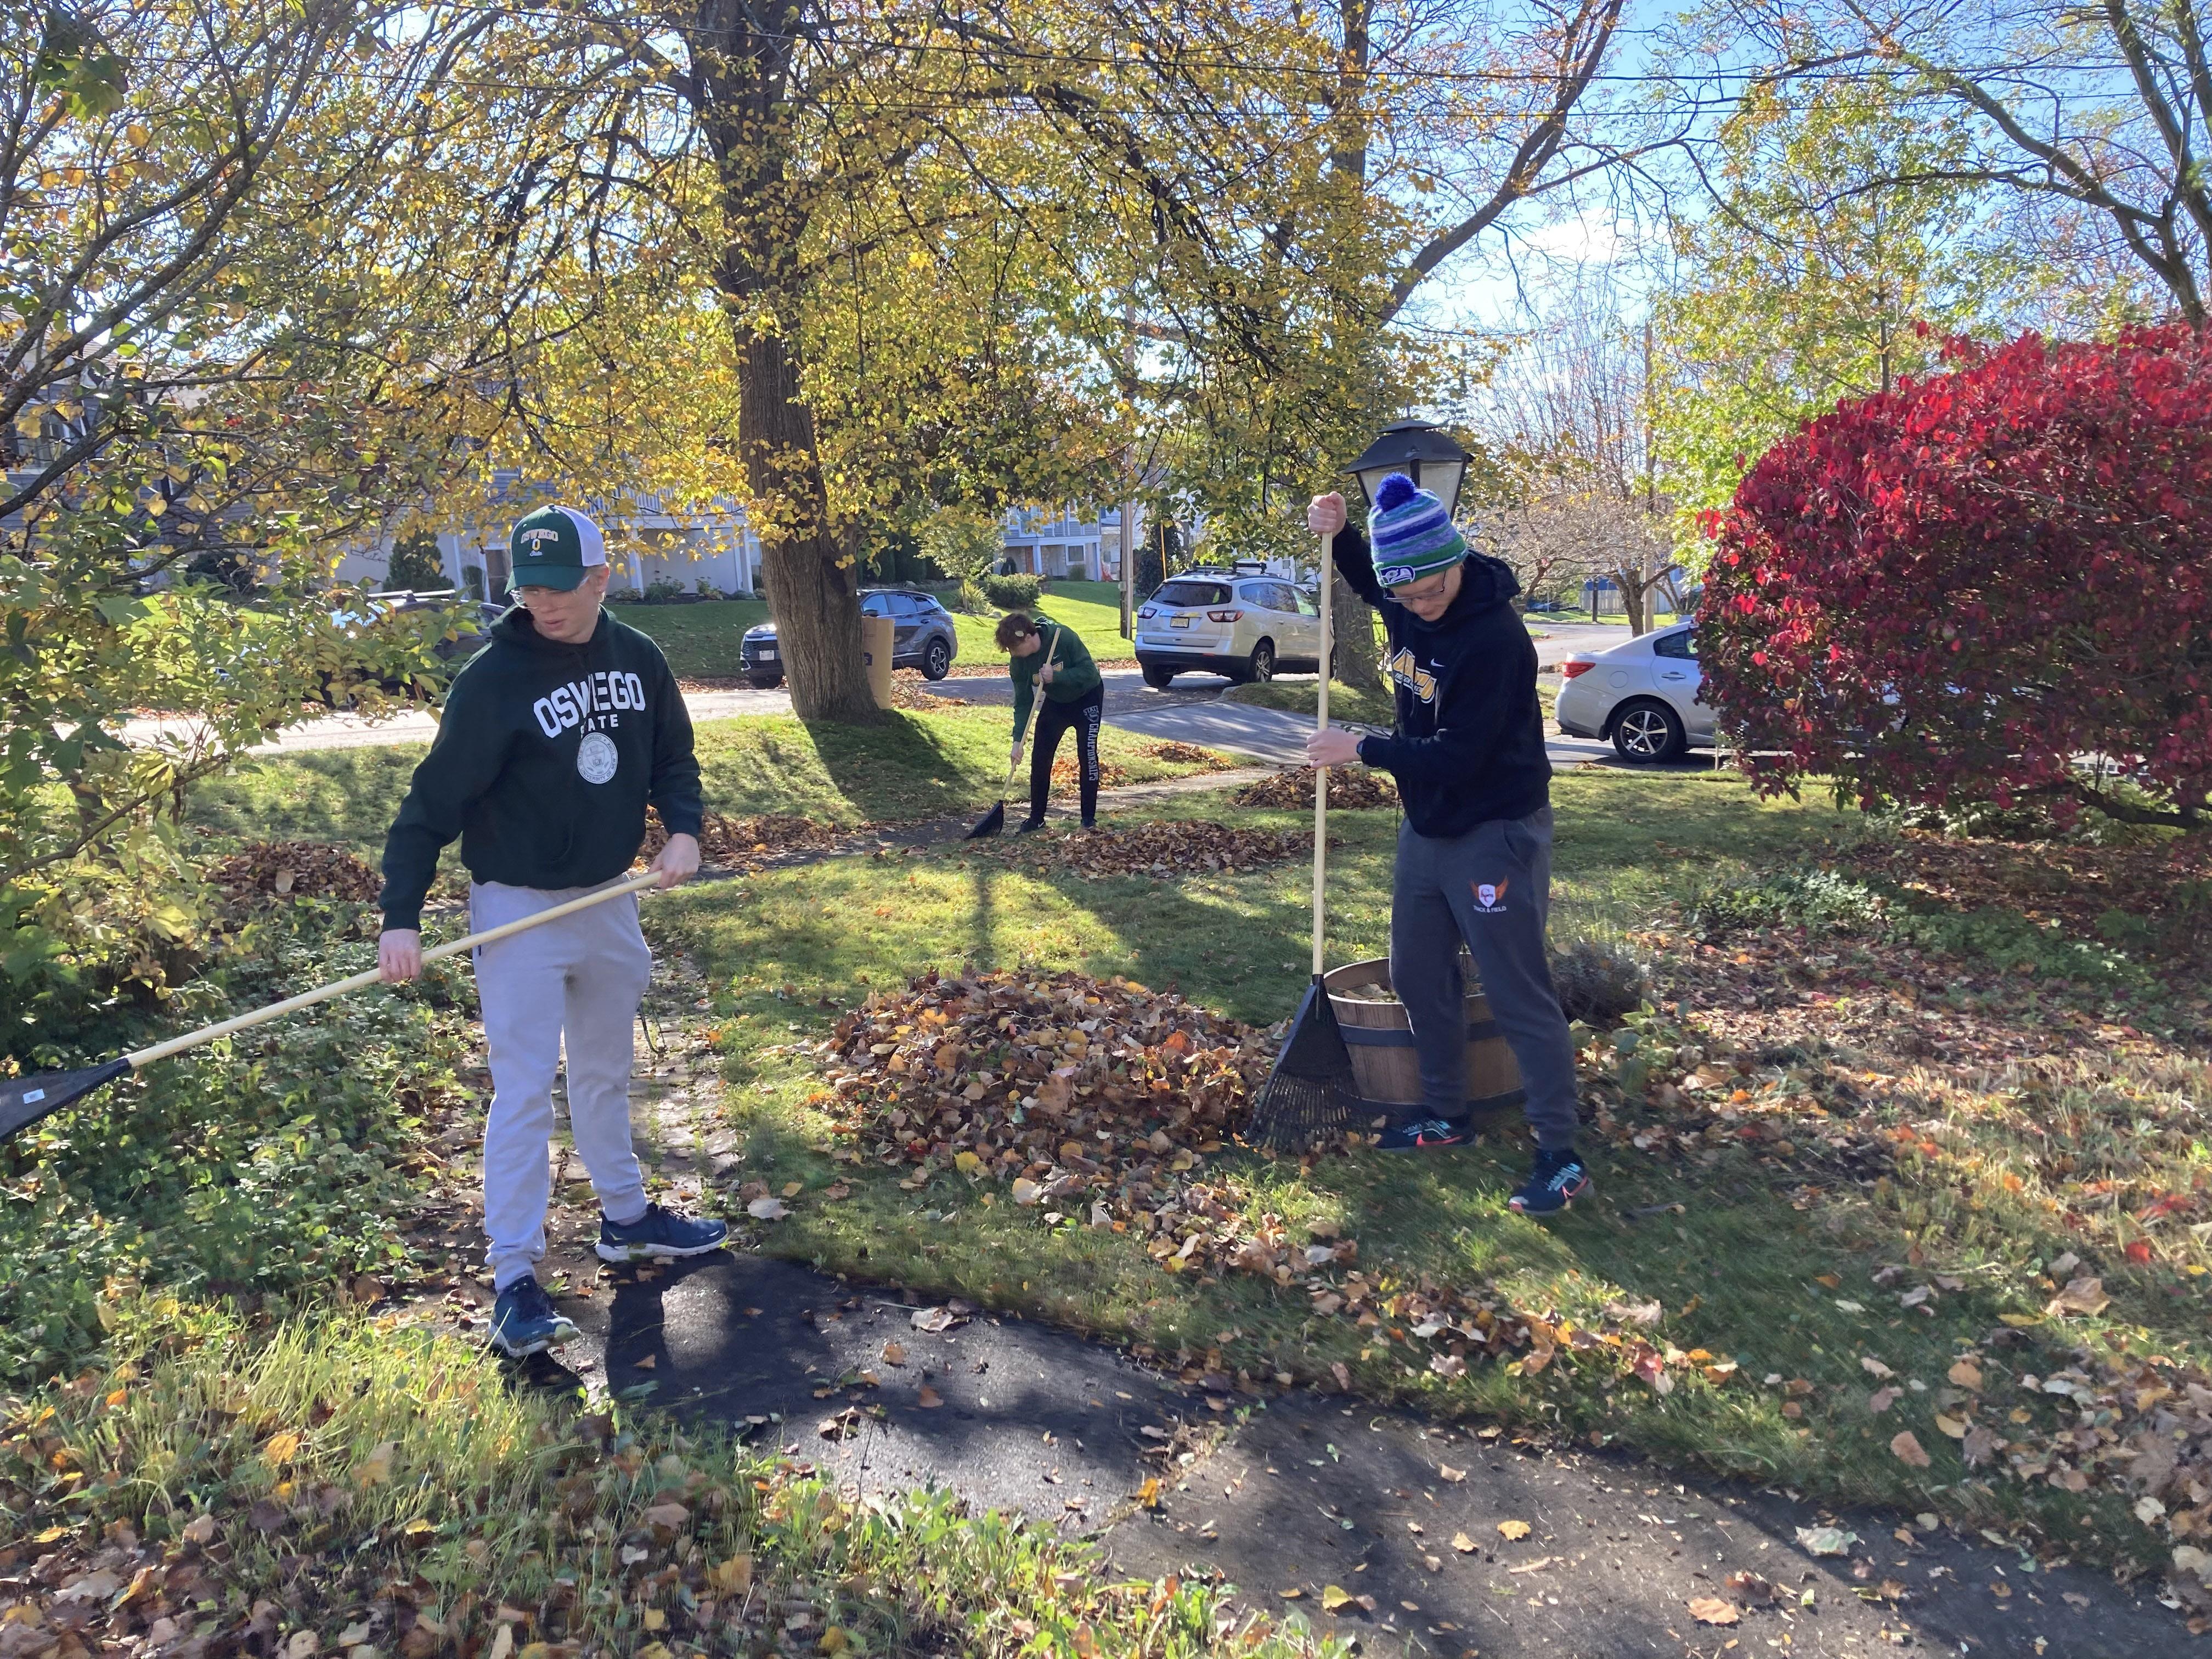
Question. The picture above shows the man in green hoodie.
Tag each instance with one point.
(1074, 698)
(555, 738)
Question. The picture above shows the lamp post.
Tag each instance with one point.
(1424, 452)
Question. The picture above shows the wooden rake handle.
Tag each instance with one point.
(1321, 773)
(1036, 708)
(362, 981)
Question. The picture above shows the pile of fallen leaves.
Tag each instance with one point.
(295, 869)
(1098, 1102)
(1167, 847)
(729, 843)
(1349, 788)
(910, 694)
(1191, 754)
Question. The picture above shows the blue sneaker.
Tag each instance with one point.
(1557, 1182)
(524, 1321)
(1427, 1134)
(658, 1235)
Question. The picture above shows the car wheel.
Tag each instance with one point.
(1262, 666)
(1648, 734)
(767, 682)
(937, 661)
(1159, 678)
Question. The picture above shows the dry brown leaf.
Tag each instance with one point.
(1513, 1530)
(1904, 1445)
(928, 1398)
(1711, 1610)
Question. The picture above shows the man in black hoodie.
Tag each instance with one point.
(555, 738)
(1474, 855)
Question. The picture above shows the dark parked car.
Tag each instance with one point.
(466, 622)
(923, 637)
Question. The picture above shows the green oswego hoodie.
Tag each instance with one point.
(545, 760)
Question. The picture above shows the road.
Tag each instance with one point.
(1190, 711)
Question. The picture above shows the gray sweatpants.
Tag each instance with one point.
(1492, 888)
(580, 978)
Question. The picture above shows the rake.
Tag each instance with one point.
(1311, 1094)
(24, 1100)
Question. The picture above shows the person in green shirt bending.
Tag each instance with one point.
(1073, 696)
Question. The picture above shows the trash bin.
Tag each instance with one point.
(879, 635)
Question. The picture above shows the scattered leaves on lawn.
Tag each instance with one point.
(747, 844)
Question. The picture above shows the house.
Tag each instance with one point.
(1057, 541)
(709, 550)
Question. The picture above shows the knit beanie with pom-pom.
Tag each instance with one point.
(1411, 533)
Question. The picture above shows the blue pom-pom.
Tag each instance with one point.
(1393, 493)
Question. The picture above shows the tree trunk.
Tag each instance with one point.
(811, 591)
(740, 88)
(1353, 628)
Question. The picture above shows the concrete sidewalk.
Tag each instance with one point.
(1284, 1493)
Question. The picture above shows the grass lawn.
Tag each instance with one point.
(911, 765)
(1867, 1203)
(1908, 1128)
(700, 641)
(1298, 697)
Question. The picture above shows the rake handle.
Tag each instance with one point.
(1321, 773)
(362, 981)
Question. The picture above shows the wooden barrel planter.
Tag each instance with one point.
(1381, 1040)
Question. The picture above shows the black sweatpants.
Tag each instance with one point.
(1084, 715)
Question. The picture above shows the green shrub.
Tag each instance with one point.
(269, 1164)
(1012, 593)
(972, 599)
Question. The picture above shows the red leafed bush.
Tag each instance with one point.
(1991, 585)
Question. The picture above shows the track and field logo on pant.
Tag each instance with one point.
(1489, 896)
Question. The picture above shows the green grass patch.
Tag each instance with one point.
(907, 766)
(1302, 696)
(700, 641)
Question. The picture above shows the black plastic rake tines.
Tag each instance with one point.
(24, 1100)
(1311, 1096)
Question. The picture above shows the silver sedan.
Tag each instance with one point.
(1642, 693)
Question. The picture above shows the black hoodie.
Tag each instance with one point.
(545, 760)
(1469, 745)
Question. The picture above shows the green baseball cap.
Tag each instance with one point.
(554, 547)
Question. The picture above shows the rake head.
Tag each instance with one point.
(24, 1100)
(989, 824)
(1311, 1095)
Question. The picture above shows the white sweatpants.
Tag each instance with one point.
(581, 978)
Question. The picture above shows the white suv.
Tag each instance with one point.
(1241, 622)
